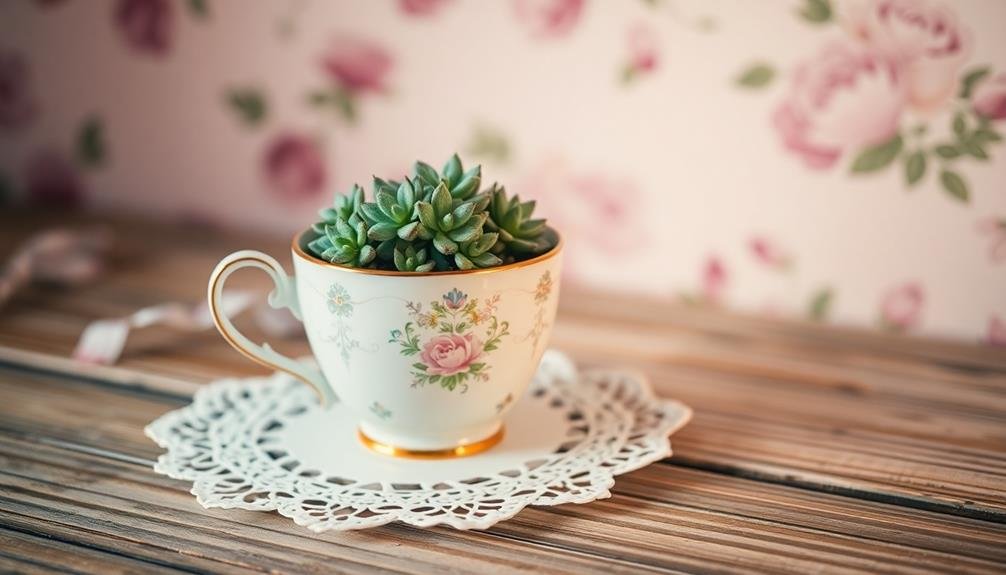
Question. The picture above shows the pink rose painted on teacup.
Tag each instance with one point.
(357, 65)
(449, 354)
(848, 97)
(901, 308)
(989, 98)
(923, 38)
(147, 25)
(294, 167)
(548, 18)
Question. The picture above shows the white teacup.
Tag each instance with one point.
(428, 363)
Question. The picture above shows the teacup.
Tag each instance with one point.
(428, 363)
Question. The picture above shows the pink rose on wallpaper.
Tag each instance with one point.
(901, 308)
(714, 280)
(768, 253)
(421, 7)
(923, 38)
(989, 98)
(643, 52)
(148, 26)
(294, 167)
(995, 230)
(845, 98)
(997, 331)
(580, 204)
(548, 18)
(447, 354)
(17, 100)
(52, 181)
(357, 65)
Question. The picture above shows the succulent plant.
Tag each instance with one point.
(475, 254)
(343, 207)
(461, 184)
(451, 222)
(411, 259)
(393, 215)
(345, 242)
(430, 221)
(511, 219)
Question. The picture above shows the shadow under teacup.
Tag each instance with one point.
(428, 363)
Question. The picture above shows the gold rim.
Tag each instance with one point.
(299, 252)
(459, 451)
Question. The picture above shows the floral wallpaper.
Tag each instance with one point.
(833, 160)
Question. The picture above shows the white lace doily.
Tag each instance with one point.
(263, 444)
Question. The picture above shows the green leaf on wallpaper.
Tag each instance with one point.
(879, 156)
(199, 8)
(339, 100)
(955, 185)
(820, 304)
(947, 151)
(975, 149)
(249, 104)
(490, 144)
(91, 147)
(971, 79)
(915, 167)
(756, 75)
(816, 11)
(986, 135)
(960, 125)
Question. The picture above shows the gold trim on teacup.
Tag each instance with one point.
(214, 313)
(450, 452)
(299, 252)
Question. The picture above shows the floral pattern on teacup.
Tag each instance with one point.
(451, 339)
(541, 294)
(340, 304)
(379, 410)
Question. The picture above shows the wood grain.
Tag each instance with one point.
(87, 485)
(813, 448)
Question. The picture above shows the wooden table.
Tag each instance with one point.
(812, 449)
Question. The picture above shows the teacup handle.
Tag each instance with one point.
(284, 295)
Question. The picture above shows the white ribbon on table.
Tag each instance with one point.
(103, 340)
(72, 258)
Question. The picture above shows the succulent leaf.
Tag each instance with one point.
(453, 170)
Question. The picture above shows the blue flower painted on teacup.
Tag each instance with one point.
(338, 301)
(379, 410)
(455, 299)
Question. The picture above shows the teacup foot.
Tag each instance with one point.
(446, 453)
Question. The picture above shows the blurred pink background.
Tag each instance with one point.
(839, 161)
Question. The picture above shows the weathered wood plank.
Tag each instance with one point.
(29, 553)
(638, 526)
(664, 518)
